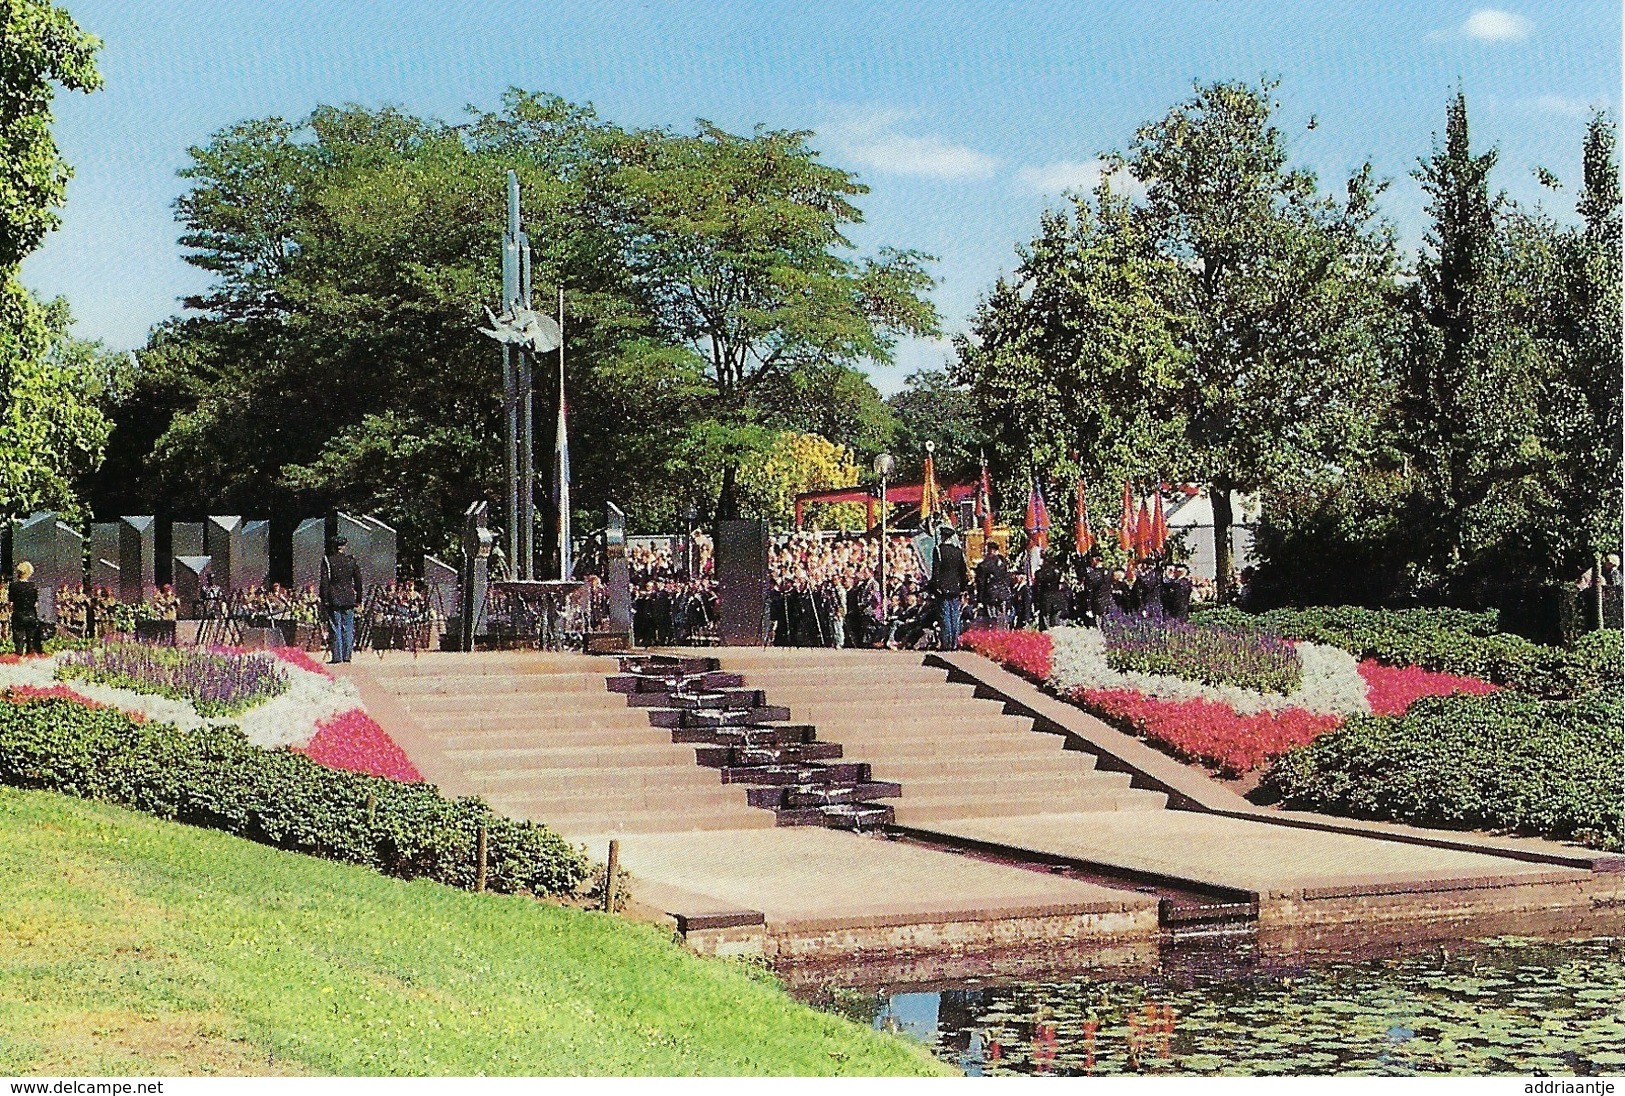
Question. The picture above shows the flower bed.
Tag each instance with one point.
(314, 713)
(216, 682)
(1207, 731)
(1215, 654)
(356, 743)
(212, 778)
(1224, 726)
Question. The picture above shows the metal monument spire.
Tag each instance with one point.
(520, 330)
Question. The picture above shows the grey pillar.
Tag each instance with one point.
(309, 546)
(619, 577)
(186, 539)
(191, 575)
(222, 543)
(251, 565)
(137, 558)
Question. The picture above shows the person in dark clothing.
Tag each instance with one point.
(1097, 586)
(341, 592)
(993, 587)
(26, 631)
(1148, 589)
(1049, 592)
(778, 605)
(1122, 593)
(805, 629)
(950, 576)
(1176, 594)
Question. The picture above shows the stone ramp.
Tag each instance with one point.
(810, 894)
(540, 737)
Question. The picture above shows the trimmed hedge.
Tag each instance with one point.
(1505, 762)
(216, 779)
(1448, 640)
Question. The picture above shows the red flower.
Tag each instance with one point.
(355, 742)
(1208, 731)
(1027, 653)
(293, 656)
(1393, 689)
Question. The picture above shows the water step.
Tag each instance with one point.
(717, 757)
(671, 683)
(845, 772)
(692, 717)
(665, 664)
(749, 735)
(843, 816)
(820, 795)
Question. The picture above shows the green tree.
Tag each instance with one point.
(1072, 362)
(737, 246)
(49, 434)
(931, 407)
(1283, 295)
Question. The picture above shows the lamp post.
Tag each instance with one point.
(884, 466)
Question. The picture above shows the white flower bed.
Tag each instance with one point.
(1331, 683)
(286, 720)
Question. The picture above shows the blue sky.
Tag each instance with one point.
(965, 119)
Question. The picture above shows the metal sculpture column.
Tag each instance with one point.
(519, 330)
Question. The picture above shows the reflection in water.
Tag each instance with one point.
(1507, 1005)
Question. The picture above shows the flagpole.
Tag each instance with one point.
(562, 460)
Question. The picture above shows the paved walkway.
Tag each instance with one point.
(1249, 855)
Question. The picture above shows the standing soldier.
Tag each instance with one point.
(341, 593)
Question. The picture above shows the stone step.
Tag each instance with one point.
(559, 705)
(479, 755)
(545, 725)
(654, 755)
(499, 685)
(909, 769)
(984, 785)
(915, 811)
(914, 713)
(487, 664)
(950, 746)
(594, 823)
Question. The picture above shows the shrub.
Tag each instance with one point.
(1452, 641)
(1508, 761)
(216, 779)
(215, 682)
(1215, 654)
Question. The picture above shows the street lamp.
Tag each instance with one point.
(885, 465)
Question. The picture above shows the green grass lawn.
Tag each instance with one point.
(134, 946)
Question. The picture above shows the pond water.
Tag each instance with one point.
(1504, 1005)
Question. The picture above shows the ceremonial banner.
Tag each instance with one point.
(1037, 523)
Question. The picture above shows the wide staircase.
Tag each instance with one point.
(953, 755)
(539, 736)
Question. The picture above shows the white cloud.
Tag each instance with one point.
(1081, 176)
(874, 141)
(1562, 105)
(1495, 25)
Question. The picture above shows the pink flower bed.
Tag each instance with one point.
(1027, 653)
(1208, 731)
(355, 742)
(29, 694)
(293, 656)
(1393, 689)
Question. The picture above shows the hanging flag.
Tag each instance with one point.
(1037, 523)
(1142, 532)
(984, 503)
(1159, 523)
(930, 498)
(1125, 526)
(561, 464)
(1083, 538)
